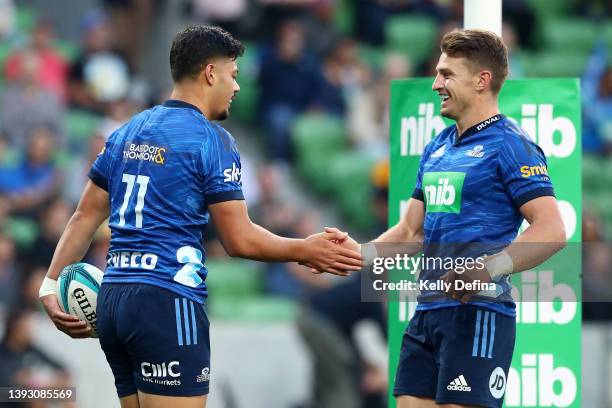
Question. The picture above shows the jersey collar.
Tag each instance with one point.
(175, 103)
(478, 127)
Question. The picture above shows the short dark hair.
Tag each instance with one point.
(482, 49)
(194, 47)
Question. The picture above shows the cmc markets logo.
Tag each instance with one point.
(538, 383)
(145, 152)
(556, 135)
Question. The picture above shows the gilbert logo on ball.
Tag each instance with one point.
(77, 289)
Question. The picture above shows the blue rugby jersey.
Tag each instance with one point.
(162, 169)
(472, 188)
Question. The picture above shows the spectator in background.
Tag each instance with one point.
(597, 102)
(291, 279)
(288, 72)
(369, 23)
(7, 18)
(8, 276)
(52, 68)
(228, 14)
(100, 75)
(130, 21)
(26, 105)
(347, 339)
(24, 364)
(343, 76)
(52, 222)
(35, 180)
(368, 113)
(515, 63)
(76, 176)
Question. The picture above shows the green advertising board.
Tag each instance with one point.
(545, 370)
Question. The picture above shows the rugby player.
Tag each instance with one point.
(470, 189)
(159, 179)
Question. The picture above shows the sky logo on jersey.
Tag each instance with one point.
(443, 191)
(529, 171)
(145, 152)
(232, 175)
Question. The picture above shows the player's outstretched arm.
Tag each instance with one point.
(92, 210)
(243, 238)
(407, 234)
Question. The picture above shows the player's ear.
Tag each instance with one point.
(209, 74)
(483, 80)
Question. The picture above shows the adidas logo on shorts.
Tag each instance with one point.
(459, 384)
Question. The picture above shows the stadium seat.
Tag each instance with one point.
(373, 56)
(594, 175)
(414, 36)
(80, 125)
(317, 139)
(245, 106)
(344, 16)
(569, 34)
(23, 231)
(25, 19)
(350, 174)
(555, 63)
(607, 34)
(233, 278)
(549, 8)
(67, 49)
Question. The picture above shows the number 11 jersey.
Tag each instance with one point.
(161, 170)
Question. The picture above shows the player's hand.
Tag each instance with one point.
(347, 242)
(478, 275)
(325, 254)
(69, 324)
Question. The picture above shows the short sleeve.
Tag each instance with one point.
(222, 168)
(523, 169)
(99, 172)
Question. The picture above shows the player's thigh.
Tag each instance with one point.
(475, 351)
(168, 342)
(129, 401)
(417, 369)
(409, 401)
(163, 401)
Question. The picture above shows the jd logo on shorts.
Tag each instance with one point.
(443, 191)
(497, 383)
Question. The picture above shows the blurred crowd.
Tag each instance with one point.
(60, 98)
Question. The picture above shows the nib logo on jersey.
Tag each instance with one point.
(442, 191)
(161, 373)
(145, 152)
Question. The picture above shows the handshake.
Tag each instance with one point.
(331, 251)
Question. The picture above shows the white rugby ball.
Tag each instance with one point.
(77, 291)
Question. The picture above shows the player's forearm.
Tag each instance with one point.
(74, 242)
(399, 239)
(259, 244)
(536, 244)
